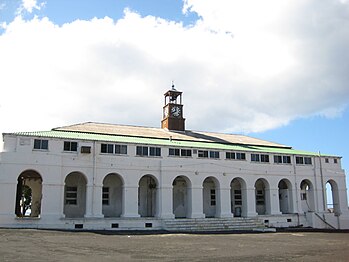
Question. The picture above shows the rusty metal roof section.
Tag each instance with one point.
(152, 132)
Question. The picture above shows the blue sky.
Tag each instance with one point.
(276, 70)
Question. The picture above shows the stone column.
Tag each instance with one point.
(52, 202)
(251, 201)
(89, 200)
(273, 208)
(130, 201)
(97, 201)
(195, 198)
(165, 202)
(224, 206)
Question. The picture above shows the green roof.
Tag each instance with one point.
(162, 142)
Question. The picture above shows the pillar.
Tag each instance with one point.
(224, 205)
(165, 202)
(272, 201)
(250, 194)
(130, 201)
(195, 198)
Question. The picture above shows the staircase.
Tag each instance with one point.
(215, 225)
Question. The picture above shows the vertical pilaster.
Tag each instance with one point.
(130, 201)
(224, 206)
(165, 202)
(196, 200)
(251, 202)
(273, 208)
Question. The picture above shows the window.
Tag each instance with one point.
(70, 146)
(326, 160)
(41, 144)
(148, 151)
(230, 155)
(237, 197)
(255, 158)
(113, 149)
(180, 152)
(142, 151)
(282, 159)
(71, 195)
(105, 196)
(307, 160)
(335, 161)
(299, 160)
(214, 154)
(107, 148)
(185, 152)
(213, 197)
(241, 156)
(265, 158)
(303, 160)
(260, 197)
(203, 153)
(173, 152)
(121, 149)
(155, 151)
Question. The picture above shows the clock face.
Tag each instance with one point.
(176, 111)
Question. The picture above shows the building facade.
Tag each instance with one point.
(104, 176)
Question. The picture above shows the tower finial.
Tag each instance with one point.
(173, 86)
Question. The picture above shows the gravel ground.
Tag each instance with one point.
(44, 245)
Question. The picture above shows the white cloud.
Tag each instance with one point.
(242, 68)
(29, 6)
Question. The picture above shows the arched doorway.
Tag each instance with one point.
(285, 196)
(29, 194)
(262, 198)
(112, 196)
(75, 195)
(307, 196)
(210, 186)
(238, 197)
(147, 191)
(180, 196)
(332, 197)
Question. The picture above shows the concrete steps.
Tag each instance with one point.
(215, 225)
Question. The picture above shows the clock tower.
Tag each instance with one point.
(173, 111)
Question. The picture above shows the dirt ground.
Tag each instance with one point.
(43, 245)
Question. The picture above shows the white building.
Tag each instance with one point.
(104, 176)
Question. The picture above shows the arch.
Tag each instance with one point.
(181, 195)
(332, 197)
(285, 196)
(29, 194)
(307, 196)
(262, 196)
(238, 197)
(75, 195)
(210, 198)
(147, 196)
(112, 192)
